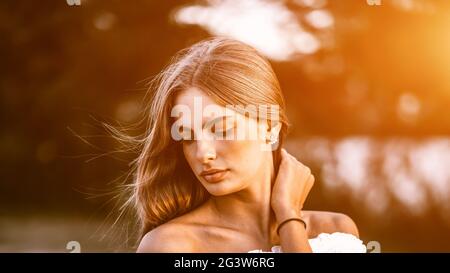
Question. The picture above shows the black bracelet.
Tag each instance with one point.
(290, 219)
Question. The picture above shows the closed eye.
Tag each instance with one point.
(223, 127)
(220, 127)
(186, 134)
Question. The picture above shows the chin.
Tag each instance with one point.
(218, 193)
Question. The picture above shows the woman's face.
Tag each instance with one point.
(219, 144)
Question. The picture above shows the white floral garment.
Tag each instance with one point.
(337, 242)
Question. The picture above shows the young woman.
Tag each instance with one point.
(199, 190)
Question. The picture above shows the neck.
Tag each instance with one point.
(250, 208)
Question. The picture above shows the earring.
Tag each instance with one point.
(273, 138)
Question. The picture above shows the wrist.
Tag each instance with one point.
(287, 213)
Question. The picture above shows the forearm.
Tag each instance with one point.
(293, 235)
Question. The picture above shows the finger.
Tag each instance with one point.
(284, 153)
(293, 158)
(307, 188)
(287, 154)
(304, 170)
(311, 182)
(288, 159)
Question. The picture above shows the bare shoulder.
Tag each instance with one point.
(329, 222)
(170, 237)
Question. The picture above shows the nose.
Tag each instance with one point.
(206, 151)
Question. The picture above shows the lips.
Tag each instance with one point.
(214, 175)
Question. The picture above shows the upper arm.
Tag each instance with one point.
(165, 239)
(346, 224)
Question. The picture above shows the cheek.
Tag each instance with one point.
(188, 152)
(243, 156)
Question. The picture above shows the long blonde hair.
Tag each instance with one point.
(232, 73)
